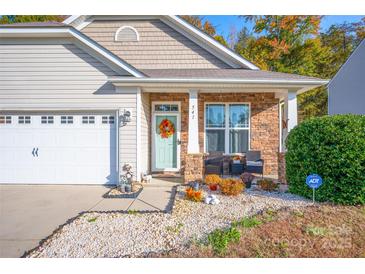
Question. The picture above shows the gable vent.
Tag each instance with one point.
(126, 34)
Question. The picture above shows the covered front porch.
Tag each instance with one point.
(231, 116)
(208, 122)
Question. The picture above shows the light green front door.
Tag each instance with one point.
(165, 148)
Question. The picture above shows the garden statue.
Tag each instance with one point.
(126, 179)
(211, 200)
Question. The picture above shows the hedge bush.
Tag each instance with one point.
(334, 148)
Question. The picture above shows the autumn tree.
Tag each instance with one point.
(294, 44)
(11, 19)
(341, 39)
(206, 27)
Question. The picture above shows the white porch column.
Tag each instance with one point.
(290, 117)
(193, 134)
(292, 109)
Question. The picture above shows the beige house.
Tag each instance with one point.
(81, 99)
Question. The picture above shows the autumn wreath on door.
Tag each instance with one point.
(167, 128)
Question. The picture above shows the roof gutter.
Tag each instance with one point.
(117, 80)
(299, 85)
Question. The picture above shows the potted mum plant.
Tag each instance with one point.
(212, 181)
(247, 178)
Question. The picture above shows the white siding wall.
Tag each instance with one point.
(47, 76)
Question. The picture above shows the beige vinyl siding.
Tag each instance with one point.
(145, 132)
(128, 133)
(63, 77)
(159, 45)
(50, 71)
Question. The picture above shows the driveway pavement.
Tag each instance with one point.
(30, 213)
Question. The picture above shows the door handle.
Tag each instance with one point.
(36, 152)
(33, 151)
(178, 142)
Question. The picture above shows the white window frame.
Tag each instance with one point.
(47, 119)
(126, 27)
(24, 119)
(227, 128)
(69, 119)
(7, 119)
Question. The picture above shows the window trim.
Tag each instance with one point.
(7, 119)
(24, 119)
(88, 117)
(69, 119)
(227, 128)
(168, 111)
(126, 27)
(47, 119)
(110, 119)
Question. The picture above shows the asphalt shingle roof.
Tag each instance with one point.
(224, 73)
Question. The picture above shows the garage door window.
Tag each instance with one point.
(88, 119)
(107, 119)
(47, 119)
(5, 119)
(24, 119)
(67, 119)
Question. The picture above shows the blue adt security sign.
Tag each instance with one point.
(314, 181)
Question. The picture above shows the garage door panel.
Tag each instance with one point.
(23, 138)
(73, 153)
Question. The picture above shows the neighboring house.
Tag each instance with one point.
(81, 99)
(346, 91)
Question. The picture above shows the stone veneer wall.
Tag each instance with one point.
(264, 123)
(194, 167)
(281, 171)
(183, 98)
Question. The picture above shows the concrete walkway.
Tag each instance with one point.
(30, 213)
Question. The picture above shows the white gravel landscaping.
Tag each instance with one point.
(136, 234)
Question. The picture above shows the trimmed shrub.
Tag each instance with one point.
(213, 179)
(334, 148)
(231, 187)
(268, 185)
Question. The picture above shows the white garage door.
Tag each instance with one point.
(58, 148)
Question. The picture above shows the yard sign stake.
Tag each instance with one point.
(314, 181)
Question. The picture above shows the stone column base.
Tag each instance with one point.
(281, 169)
(194, 167)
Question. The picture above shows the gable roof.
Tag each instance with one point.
(234, 76)
(51, 29)
(196, 35)
(361, 46)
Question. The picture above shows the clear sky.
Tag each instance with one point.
(224, 23)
